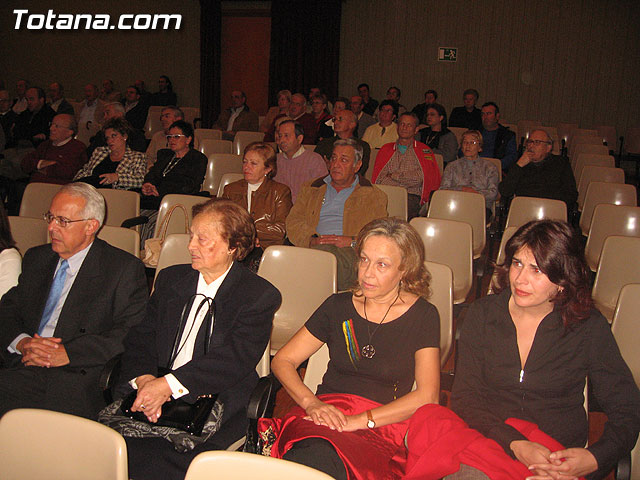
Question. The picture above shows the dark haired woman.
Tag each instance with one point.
(437, 136)
(10, 259)
(524, 355)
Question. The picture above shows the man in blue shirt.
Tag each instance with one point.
(499, 141)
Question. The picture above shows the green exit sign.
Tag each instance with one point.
(447, 54)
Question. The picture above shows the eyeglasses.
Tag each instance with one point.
(175, 135)
(537, 142)
(61, 221)
(470, 142)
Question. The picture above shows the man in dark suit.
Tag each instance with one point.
(75, 301)
(136, 111)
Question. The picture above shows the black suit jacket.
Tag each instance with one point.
(137, 116)
(107, 298)
(244, 308)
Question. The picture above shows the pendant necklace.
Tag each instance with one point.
(368, 351)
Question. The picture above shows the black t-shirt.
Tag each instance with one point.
(391, 372)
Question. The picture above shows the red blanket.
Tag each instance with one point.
(439, 441)
(369, 454)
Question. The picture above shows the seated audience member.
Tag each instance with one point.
(499, 142)
(320, 116)
(145, 96)
(179, 169)
(116, 165)
(10, 259)
(408, 163)
(75, 301)
(268, 202)
(326, 129)
(19, 103)
(539, 173)
(57, 159)
(385, 131)
(168, 116)
(430, 96)
(32, 126)
(165, 95)
(363, 118)
(92, 107)
(204, 362)
(524, 355)
(344, 126)
(135, 140)
(467, 116)
(329, 212)
(282, 108)
(237, 118)
(370, 104)
(297, 112)
(393, 94)
(437, 136)
(108, 94)
(365, 397)
(313, 91)
(7, 117)
(135, 110)
(57, 102)
(296, 164)
(472, 173)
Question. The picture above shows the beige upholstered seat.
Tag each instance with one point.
(226, 179)
(177, 222)
(462, 207)
(152, 124)
(589, 149)
(42, 444)
(121, 205)
(594, 173)
(597, 159)
(564, 131)
(609, 135)
(525, 209)
(525, 127)
(442, 298)
(450, 243)
(207, 133)
(305, 277)
(242, 139)
(458, 131)
(218, 165)
(506, 235)
(174, 251)
(28, 232)
(37, 199)
(396, 201)
(190, 114)
(123, 238)
(209, 146)
(610, 220)
(228, 465)
(604, 192)
(619, 265)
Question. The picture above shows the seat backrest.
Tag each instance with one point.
(121, 205)
(442, 298)
(152, 124)
(449, 242)
(463, 207)
(45, 444)
(497, 163)
(595, 173)
(525, 209)
(37, 199)
(458, 131)
(396, 201)
(526, 126)
(218, 165)
(123, 238)
(619, 265)
(227, 465)
(440, 161)
(506, 235)
(597, 159)
(605, 192)
(632, 140)
(226, 179)
(609, 135)
(305, 278)
(174, 251)
(241, 139)
(209, 146)
(190, 114)
(564, 131)
(177, 223)
(592, 148)
(205, 133)
(610, 220)
(28, 232)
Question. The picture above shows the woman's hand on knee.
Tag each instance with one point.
(322, 413)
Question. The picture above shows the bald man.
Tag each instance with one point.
(344, 127)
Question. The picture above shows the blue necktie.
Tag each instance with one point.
(54, 295)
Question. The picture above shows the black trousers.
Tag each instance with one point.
(319, 454)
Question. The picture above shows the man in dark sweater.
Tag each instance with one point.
(468, 116)
(538, 173)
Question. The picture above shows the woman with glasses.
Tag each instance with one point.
(437, 136)
(179, 169)
(116, 165)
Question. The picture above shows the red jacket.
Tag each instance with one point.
(430, 170)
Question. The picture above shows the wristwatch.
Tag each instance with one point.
(370, 422)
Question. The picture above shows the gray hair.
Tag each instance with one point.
(350, 142)
(177, 112)
(95, 206)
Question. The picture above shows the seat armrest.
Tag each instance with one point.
(109, 377)
(623, 468)
(132, 222)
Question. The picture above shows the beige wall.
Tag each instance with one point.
(76, 58)
(549, 60)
